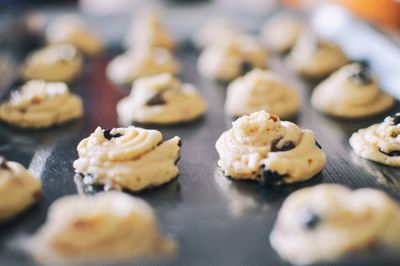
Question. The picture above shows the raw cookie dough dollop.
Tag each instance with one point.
(160, 99)
(325, 222)
(128, 158)
(231, 57)
(104, 228)
(281, 32)
(315, 58)
(146, 30)
(139, 62)
(351, 92)
(379, 142)
(18, 189)
(73, 30)
(58, 62)
(263, 148)
(261, 90)
(40, 104)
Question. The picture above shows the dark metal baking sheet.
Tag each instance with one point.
(215, 221)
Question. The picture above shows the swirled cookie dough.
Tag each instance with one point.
(128, 158)
(147, 30)
(351, 92)
(379, 142)
(18, 189)
(160, 99)
(315, 58)
(261, 90)
(263, 148)
(139, 62)
(231, 57)
(40, 104)
(281, 32)
(104, 228)
(214, 31)
(325, 222)
(58, 62)
(73, 30)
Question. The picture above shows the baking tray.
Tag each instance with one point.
(215, 221)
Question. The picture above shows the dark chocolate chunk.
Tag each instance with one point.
(180, 143)
(268, 177)
(318, 145)
(245, 67)
(107, 134)
(391, 154)
(3, 163)
(361, 77)
(156, 99)
(395, 119)
(288, 145)
(309, 218)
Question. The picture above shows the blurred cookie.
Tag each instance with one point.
(58, 62)
(104, 228)
(379, 142)
(39, 104)
(326, 222)
(313, 57)
(231, 57)
(160, 99)
(214, 31)
(281, 32)
(351, 92)
(261, 147)
(128, 158)
(261, 90)
(73, 30)
(18, 189)
(147, 30)
(140, 62)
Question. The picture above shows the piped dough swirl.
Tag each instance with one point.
(263, 148)
(104, 228)
(18, 189)
(325, 222)
(160, 99)
(379, 142)
(128, 158)
(261, 90)
(58, 62)
(351, 92)
(41, 104)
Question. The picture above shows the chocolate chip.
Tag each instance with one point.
(180, 143)
(246, 66)
(309, 218)
(288, 145)
(107, 134)
(362, 76)
(391, 154)
(268, 177)
(318, 145)
(157, 99)
(3, 163)
(395, 119)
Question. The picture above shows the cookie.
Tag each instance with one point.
(104, 228)
(40, 104)
(261, 147)
(58, 62)
(231, 57)
(18, 189)
(351, 92)
(315, 58)
(281, 32)
(146, 30)
(129, 158)
(160, 99)
(213, 31)
(326, 222)
(141, 62)
(261, 90)
(73, 30)
(379, 142)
